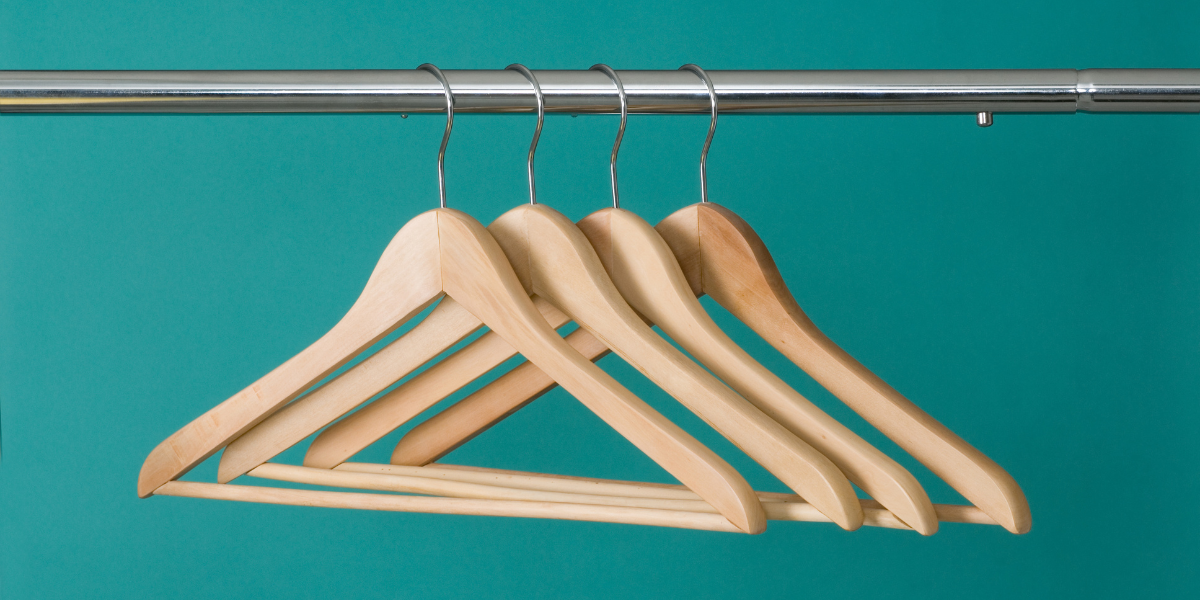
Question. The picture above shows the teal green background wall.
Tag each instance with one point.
(1033, 285)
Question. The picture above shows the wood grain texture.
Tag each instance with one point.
(445, 431)
(649, 277)
(352, 434)
(446, 325)
(737, 271)
(448, 506)
(555, 261)
(476, 273)
(405, 281)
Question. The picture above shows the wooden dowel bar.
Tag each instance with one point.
(448, 506)
(530, 481)
(459, 489)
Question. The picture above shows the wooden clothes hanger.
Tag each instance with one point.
(735, 268)
(445, 252)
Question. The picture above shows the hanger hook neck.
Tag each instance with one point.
(537, 133)
(712, 127)
(449, 125)
(612, 161)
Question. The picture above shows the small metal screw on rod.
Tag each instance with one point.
(984, 119)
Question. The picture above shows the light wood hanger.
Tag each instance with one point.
(446, 252)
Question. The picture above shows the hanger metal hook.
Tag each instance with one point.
(537, 133)
(612, 161)
(712, 127)
(449, 125)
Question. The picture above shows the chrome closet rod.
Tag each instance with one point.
(592, 92)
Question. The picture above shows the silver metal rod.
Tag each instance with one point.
(591, 92)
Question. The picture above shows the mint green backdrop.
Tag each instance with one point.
(1033, 285)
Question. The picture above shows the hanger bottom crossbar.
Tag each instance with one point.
(451, 489)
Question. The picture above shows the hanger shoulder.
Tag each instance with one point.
(476, 272)
(349, 436)
(739, 273)
(410, 264)
(447, 324)
(793, 461)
